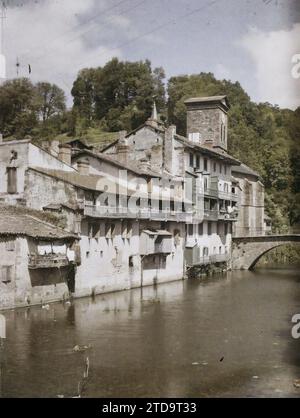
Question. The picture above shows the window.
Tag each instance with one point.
(190, 230)
(11, 180)
(10, 245)
(129, 230)
(130, 262)
(194, 137)
(200, 229)
(6, 274)
(197, 161)
(220, 250)
(205, 164)
(176, 237)
(107, 231)
(205, 251)
(191, 160)
(215, 167)
(209, 228)
(220, 168)
(225, 169)
(205, 183)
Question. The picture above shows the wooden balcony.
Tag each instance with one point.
(211, 193)
(211, 214)
(193, 257)
(47, 261)
(233, 197)
(224, 215)
(111, 212)
(219, 258)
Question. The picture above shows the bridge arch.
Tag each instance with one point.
(246, 251)
(262, 254)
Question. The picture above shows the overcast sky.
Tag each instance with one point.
(252, 41)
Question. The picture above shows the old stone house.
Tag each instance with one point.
(142, 211)
(35, 256)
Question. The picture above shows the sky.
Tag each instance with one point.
(255, 42)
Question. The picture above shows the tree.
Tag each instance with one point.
(17, 115)
(119, 95)
(36, 110)
(50, 100)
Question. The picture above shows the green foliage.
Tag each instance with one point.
(118, 96)
(261, 135)
(35, 110)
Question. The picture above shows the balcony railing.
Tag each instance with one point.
(163, 247)
(36, 261)
(228, 196)
(139, 213)
(211, 214)
(211, 193)
(219, 258)
(224, 214)
(193, 258)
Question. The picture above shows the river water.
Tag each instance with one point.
(224, 336)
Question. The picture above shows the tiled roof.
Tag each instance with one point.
(90, 182)
(244, 169)
(128, 166)
(58, 206)
(212, 152)
(205, 99)
(21, 222)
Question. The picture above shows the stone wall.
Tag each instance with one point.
(27, 287)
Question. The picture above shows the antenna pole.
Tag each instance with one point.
(2, 18)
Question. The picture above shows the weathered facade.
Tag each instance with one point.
(149, 207)
(200, 162)
(251, 218)
(35, 259)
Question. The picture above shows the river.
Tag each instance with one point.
(224, 336)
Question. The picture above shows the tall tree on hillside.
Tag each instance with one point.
(50, 100)
(27, 109)
(119, 95)
(18, 114)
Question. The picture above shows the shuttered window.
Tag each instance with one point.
(11, 180)
(6, 274)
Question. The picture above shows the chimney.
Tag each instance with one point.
(122, 138)
(54, 148)
(144, 164)
(83, 167)
(64, 153)
(169, 150)
(123, 148)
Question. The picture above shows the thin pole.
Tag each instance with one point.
(2, 18)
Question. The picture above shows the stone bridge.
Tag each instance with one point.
(246, 251)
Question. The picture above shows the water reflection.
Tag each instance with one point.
(218, 337)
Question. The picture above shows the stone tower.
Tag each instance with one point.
(207, 121)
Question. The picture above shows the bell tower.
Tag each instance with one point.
(207, 121)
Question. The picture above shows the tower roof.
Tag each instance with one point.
(202, 101)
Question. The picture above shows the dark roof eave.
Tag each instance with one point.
(210, 152)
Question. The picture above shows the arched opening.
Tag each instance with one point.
(289, 255)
